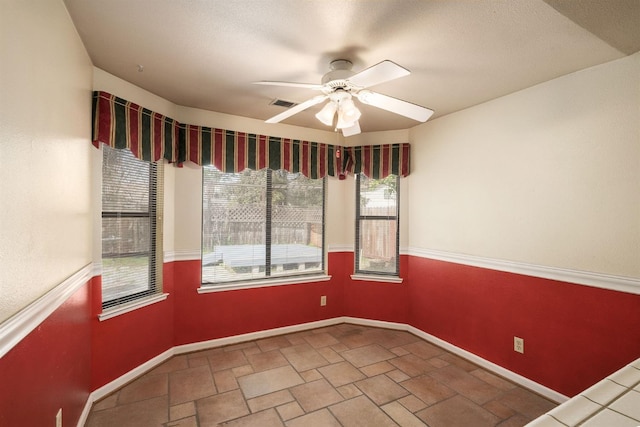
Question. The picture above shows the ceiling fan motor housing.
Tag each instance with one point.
(340, 71)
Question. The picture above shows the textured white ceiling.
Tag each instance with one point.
(206, 54)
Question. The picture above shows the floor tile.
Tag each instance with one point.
(290, 410)
(227, 360)
(184, 422)
(221, 407)
(270, 400)
(190, 384)
(321, 418)
(176, 363)
(273, 343)
(412, 403)
(412, 365)
(428, 389)
(267, 360)
(310, 375)
(348, 391)
(381, 389)
(266, 382)
(315, 395)
(367, 355)
(182, 410)
(225, 381)
(361, 412)
(466, 384)
(341, 373)
(303, 357)
(330, 355)
(262, 419)
(493, 379)
(402, 416)
(525, 402)
(377, 369)
(108, 402)
(423, 349)
(143, 413)
(320, 340)
(457, 412)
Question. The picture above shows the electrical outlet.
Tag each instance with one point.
(59, 418)
(518, 344)
(323, 300)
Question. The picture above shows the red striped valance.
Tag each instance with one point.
(378, 161)
(122, 124)
(231, 151)
(151, 136)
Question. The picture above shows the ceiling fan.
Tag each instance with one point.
(341, 85)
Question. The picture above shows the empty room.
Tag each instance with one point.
(319, 213)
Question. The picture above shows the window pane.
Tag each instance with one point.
(233, 225)
(377, 225)
(296, 225)
(125, 182)
(124, 276)
(259, 224)
(378, 196)
(129, 221)
(378, 251)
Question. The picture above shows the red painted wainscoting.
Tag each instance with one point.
(124, 342)
(373, 300)
(50, 368)
(574, 335)
(207, 316)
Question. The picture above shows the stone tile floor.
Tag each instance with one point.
(342, 375)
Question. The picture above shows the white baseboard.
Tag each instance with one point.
(490, 366)
(114, 385)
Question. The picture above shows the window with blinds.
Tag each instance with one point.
(377, 236)
(131, 227)
(260, 225)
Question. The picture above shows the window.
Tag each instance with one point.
(131, 227)
(377, 237)
(260, 225)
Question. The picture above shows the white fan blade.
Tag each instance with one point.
(394, 105)
(291, 84)
(379, 73)
(353, 130)
(296, 109)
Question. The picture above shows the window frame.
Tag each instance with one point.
(153, 292)
(268, 279)
(360, 273)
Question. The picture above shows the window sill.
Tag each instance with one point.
(131, 306)
(374, 278)
(205, 289)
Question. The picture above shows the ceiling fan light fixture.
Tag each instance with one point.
(326, 114)
(349, 111)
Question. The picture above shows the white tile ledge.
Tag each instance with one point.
(609, 402)
(277, 281)
(129, 307)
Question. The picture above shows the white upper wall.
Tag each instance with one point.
(548, 176)
(45, 116)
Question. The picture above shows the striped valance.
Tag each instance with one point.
(122, 124)
(151, 136)
(377, 161)
(231, 151)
